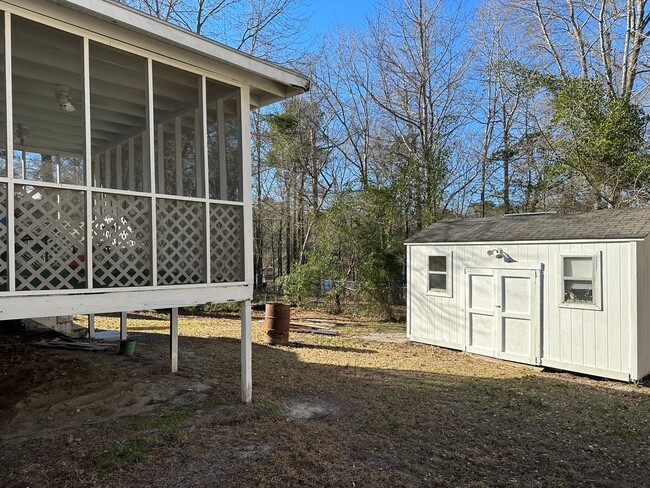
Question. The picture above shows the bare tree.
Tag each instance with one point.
(416, 50)
(603, 39)
(163, 9)
(267, 28)
(196, 14)
(347, 79)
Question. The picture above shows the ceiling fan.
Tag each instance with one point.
(63, 98)
(22, 131)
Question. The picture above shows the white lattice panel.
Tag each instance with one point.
(181, 242)
(226, 243)
(121, 240)
(50, 238)
(3, 238)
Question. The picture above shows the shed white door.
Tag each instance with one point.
(503, 313)
(481, 310)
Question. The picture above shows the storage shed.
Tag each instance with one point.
(125, 173)
(569, 292)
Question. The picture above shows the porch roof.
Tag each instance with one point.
(269, 82)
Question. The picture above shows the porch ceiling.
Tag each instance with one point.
(268, 82)
(44, 60)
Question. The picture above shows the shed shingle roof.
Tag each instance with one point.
(599, 224)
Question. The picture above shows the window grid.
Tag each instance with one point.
(580, 281)
(438, 266)
(578, 288)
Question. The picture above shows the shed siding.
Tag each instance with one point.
(578, 339)
(643, 308)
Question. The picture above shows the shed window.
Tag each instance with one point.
(580, 284)
(438, 273)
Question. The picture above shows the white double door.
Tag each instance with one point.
(503, 313)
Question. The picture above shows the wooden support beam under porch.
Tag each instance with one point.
(246, 353)
(246, 344)
(173, 338)
(246, 348)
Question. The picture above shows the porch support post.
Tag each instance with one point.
(247, 243)
(9, 119)
(173, 338)
(149, 174)
(88, 178)
(123, 335)
(91, 326)
(246, 353)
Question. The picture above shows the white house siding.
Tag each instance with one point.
(589, 341)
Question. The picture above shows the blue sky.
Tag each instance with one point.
(328, 13)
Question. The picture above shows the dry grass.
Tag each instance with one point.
(351, 410)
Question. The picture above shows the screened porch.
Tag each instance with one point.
(116, 170)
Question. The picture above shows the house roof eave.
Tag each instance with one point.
(292, 82)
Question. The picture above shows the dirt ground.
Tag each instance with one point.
(362, 409)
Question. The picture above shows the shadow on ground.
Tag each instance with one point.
(99, 419)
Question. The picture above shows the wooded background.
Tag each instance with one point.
(431, 110)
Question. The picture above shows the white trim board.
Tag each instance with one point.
(433, 342)
(503, 265)
(577, 368)
(198, 287)
(18, 307)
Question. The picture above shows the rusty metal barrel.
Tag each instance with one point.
(276, 320)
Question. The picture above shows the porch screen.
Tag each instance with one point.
(135, 182)
(48, 110)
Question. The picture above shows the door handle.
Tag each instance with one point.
(497, 306)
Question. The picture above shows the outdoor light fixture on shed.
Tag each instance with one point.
(497, 253)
